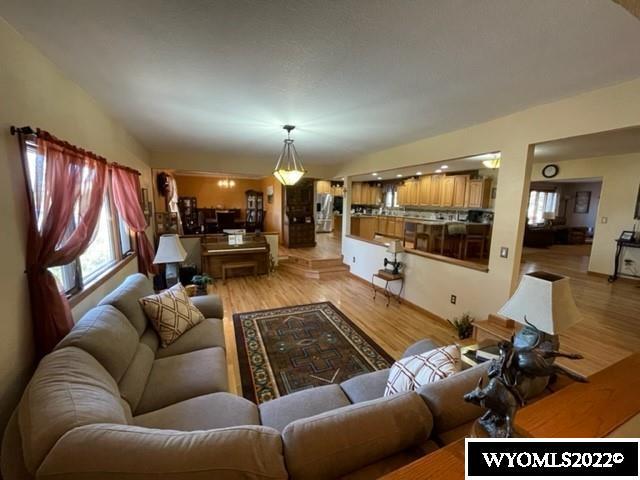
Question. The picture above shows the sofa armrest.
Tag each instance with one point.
(444, 398)
(109, 451)
(210, 305)
(421, 346)
(341, 441)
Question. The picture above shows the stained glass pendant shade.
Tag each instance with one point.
(289, 168)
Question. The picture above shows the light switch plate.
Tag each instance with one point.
(604, 219)
(504, 252)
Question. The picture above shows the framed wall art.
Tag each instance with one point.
(581, 204)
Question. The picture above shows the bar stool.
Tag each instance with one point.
(476, 235)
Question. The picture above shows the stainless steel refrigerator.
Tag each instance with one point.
(324, 212)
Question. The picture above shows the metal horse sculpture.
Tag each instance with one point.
(510, 381)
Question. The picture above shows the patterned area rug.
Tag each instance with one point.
(285, 350)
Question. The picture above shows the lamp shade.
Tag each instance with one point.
(170, 250)
(545, 300)
(395, 246)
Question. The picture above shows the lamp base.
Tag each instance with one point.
(171, 274)
(528, 337)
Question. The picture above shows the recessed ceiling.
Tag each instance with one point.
(613, 142)
(355, 76)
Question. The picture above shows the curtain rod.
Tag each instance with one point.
(27, 130)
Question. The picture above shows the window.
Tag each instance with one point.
(111, 241)
(541, 202)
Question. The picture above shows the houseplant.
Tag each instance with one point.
(463, 325)
(201, 281)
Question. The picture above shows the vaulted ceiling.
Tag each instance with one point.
(355, 76)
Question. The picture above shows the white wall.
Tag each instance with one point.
(34, 92)
(600, 110)
(620, 180)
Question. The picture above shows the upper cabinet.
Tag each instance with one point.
(479, 193)
(323, 186)
(454, 191)
(337, 190)
(363, 193)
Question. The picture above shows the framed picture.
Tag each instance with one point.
(581, 204)
(637, 214)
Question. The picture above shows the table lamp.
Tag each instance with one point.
(395, 247)
(544, 301)
(170, 252)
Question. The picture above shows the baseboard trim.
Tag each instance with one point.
(621, 277)
(409, 304)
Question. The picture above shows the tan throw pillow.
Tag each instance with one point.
(171, 313)
(412, 372)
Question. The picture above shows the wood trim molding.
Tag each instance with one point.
(409, 304)
(76, 298)
(632, 6)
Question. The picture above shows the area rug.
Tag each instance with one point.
(285, 350)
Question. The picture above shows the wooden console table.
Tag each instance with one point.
(387, 277)
(580, 410)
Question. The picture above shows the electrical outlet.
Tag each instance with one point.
(354, 260)
(504, 252)
(454, 299)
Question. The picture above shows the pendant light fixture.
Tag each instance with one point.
(289, 168)
(226, 183)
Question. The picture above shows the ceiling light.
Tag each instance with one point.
(399, 175)
(226, 183)
(289, 168)
(444, 167)
(418, 173)
(493, 163)
(374, 174)
(438, 171)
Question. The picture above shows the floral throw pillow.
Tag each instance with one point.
(412, 372)
(171, 313)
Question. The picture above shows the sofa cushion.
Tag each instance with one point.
(412, 372)
(366, 387)
(180, 377)
(444, 398)
(208, 333)
(206, 412)
(69, 389)
(151, 340)
(171, 313)
(108, 336)
(344, 440)
(278, 413)
(209, 305)
(117, 452)
(135, 379)
(125, 298)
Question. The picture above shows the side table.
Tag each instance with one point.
(388, 277)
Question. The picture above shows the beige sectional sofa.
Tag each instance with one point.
(109, 403)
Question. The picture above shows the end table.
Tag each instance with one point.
(388, 277)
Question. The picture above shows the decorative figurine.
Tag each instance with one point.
(510, 382)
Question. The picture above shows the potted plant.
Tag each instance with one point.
(201, 281)
(463, 325)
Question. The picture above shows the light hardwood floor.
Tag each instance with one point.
(609, 332)
(610, 329)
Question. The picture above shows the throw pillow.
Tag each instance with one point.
(171, 313)
(412, 372)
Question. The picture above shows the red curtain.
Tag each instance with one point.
(65, 197)
(125, 185)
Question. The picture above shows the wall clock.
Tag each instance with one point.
(550, 171)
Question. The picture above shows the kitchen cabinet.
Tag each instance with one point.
(460, 198)
(382, 225)
(414, 192)
(447, 191)
(323, 186)
(337, 190)
(479, 193)
(424, 197)
(402, 194)
(436, 189)
(356, 193)
(399, 227)
(364, 227)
